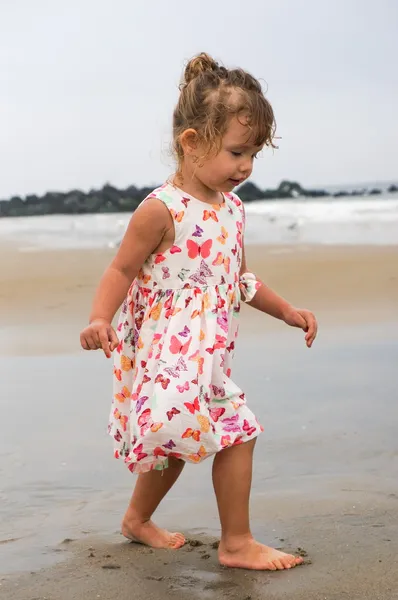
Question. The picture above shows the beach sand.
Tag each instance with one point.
(326, 467)
(48, 293)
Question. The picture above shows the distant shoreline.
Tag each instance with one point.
(111, 199)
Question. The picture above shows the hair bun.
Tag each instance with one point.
(199, 64)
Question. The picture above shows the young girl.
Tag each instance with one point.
(182, 266)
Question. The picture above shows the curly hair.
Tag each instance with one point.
(210, 95)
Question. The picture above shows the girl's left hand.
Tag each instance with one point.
(305, 320)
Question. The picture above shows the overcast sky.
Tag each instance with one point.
(87, 87)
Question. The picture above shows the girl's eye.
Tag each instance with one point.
(236, 153)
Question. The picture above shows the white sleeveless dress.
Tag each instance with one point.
(173, 392)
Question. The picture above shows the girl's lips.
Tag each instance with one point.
(236, 181)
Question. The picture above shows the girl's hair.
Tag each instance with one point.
(210, 95)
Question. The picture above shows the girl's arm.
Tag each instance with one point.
(268, 301)
(150, 224)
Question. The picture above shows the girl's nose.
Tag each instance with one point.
(246, 166)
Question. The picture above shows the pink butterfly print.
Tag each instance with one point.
(218, 391)
(185, 332)
(195, 250)
(139, 452)
(198, 231)
(170, 445)
(177, 348)
(182, 388)
(201, 274)
(140, 403)
(231, 346)
(246, 427)
(220, 343)
(231, 423)
(185, 201)
(225, 441)
(175, 370)
(239, 233)
(216, 413)
(175, 250)
(222, 321)
(145, 421)
(166, 272)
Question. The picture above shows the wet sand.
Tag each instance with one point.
(326, 467)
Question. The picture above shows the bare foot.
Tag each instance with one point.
(250, 554)
(151, 535)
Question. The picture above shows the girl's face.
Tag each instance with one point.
(234, 162)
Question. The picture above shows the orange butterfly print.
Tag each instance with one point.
(222, 238)
(117, 373)
(222, 260)
(199, 359)
(176, 347)
(193, 406)
(195, 434)
(204, 423)
(210, 214)
(126, 363)
(156, 311)
(124, 394)
(201, 453)
(196, 313)
(195, 250)
(177, 216)
(122, 418)
(156, 426)
(239, 235)
(205, 301)
(142, 277)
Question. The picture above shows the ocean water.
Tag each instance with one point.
(365, 220)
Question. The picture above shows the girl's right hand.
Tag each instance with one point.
(99, 334)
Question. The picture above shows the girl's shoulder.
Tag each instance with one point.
(167, 194)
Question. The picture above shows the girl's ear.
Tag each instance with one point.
(189, 141)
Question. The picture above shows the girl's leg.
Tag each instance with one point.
(232, 477)
(149, 491)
